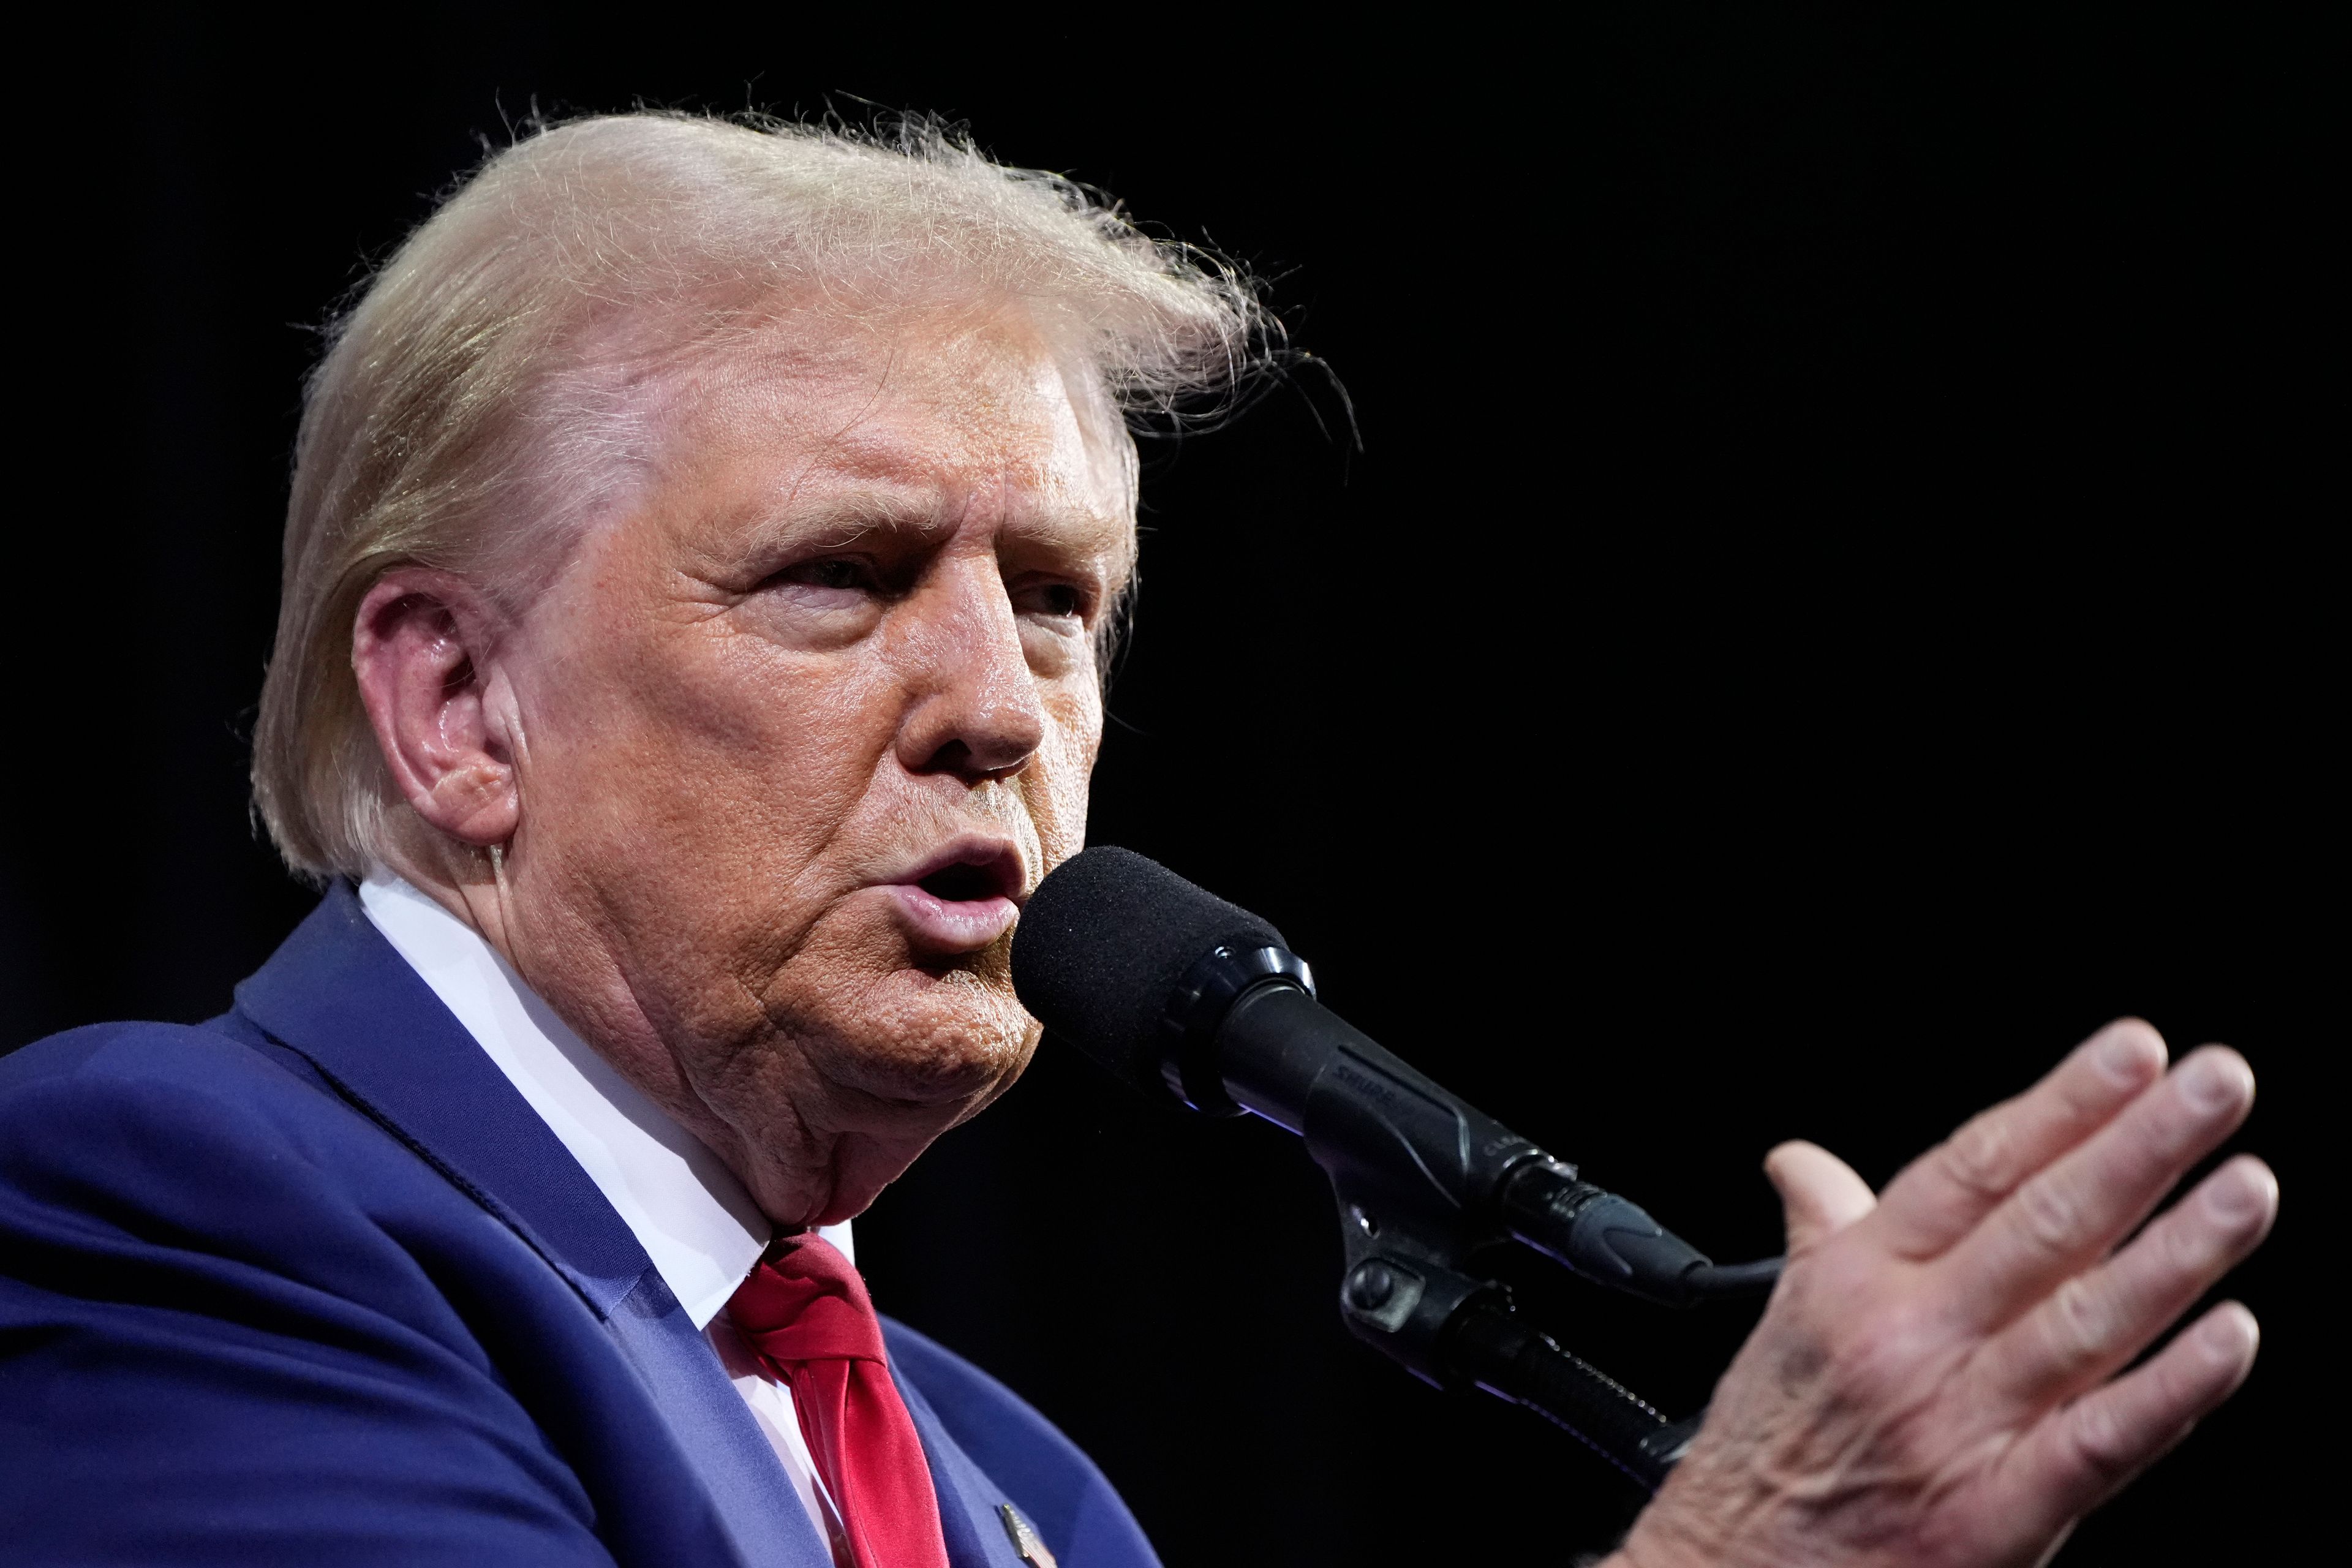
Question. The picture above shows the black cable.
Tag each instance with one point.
(1611, 1241)
(1715, 1280)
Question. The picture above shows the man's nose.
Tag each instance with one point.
(978, 713)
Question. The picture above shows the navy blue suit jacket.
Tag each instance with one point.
(311, 1283)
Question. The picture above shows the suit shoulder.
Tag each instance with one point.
(111, 1057)
(189, 1226)
(179, 1092)
(139, 1140)
(153, 1169)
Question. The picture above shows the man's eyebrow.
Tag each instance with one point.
(842, 520)
(1062, 524)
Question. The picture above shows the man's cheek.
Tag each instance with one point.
(1066, 781)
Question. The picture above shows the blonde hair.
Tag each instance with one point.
(457, 421)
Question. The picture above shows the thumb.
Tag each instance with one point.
(1820, 1193)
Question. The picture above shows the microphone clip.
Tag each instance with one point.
(1406, 1295)
(1197, 1009)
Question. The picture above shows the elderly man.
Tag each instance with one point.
(702, 545)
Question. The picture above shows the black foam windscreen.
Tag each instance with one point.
(1102, 944)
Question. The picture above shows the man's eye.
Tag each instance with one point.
(830, 572)
(1058, 599)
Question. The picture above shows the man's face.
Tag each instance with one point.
(800, 728)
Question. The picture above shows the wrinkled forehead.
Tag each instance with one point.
(968, 404)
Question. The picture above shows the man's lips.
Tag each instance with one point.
(963, 896)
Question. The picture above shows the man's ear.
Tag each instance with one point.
(419, 648)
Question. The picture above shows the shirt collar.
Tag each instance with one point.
(694, 1219)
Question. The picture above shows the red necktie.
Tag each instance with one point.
(806, 1312)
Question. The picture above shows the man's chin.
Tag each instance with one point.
(941, 1042)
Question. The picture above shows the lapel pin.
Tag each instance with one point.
(1026, 1543)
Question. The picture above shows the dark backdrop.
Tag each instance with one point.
(1827, 609)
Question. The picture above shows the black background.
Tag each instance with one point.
(1831, 604)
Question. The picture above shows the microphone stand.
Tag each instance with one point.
(1405, 1294)
(1423, 1182)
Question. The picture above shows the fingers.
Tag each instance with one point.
(2096, 1323)
(1820, 1193)
(2081, 1455)
(1945, 1192)
(2068, 1214)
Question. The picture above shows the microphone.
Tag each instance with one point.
(1178, 993)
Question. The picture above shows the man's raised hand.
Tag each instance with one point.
(1934, 1382)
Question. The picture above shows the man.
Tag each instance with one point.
(702, 545)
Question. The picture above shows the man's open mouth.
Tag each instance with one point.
(971, 869)
(964, 883)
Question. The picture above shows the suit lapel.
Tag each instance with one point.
(711, 1423)
(337, 994)
(976, 1537)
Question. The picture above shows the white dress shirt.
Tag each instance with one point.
(694, 1219)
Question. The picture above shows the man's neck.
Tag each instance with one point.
(694, 1218)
